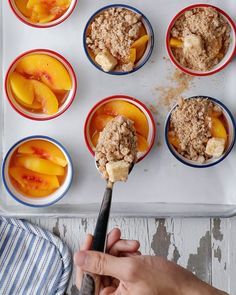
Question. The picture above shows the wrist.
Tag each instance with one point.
(201, 288)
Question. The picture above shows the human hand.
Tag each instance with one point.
(129, 273)
(116, 247)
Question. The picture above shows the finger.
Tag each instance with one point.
(115, 283)
(113, 237)
(106, 281)
(107, 265)
(133, 254)
(87, 243)
(85, 246)
(108, 291)
(124, 246)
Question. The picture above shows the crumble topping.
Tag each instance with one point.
(205, 36)
(191, 123)
(114, 31)
(117, 143)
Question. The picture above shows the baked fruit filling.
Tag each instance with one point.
(116, 39)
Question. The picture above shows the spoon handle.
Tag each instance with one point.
(90, 283)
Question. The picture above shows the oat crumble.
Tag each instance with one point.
(191, 123)
(117, 142)
(114, 31)
(205, 35)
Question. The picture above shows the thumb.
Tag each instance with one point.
(102, 264)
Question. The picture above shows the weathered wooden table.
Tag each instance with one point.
(207, 247)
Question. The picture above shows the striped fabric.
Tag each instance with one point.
(32, 261)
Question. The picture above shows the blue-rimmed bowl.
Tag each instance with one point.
(147, 26)
(42, 201)
(231, 136)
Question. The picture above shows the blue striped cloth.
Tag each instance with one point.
(32, 261)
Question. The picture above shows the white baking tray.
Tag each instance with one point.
(159, 185)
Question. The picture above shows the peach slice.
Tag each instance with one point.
(46, 97)
(173, 140)
(142, 143)
(142, 41)
(140, 46)
(176, 43)
(100, 121)
(47, 69)
(36, 193)
(22, 6)
(32, 180)
(218, 128)
(22, 88)
(34, 106)
(39, 165)
(95, 138)
(128, 110)
(132, 55)
(216, 114)
(43, 149)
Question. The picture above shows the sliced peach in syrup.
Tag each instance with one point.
(140, 46)
(216, 114)
(128, 110)
(218, 128)
(39, 165)
(34, 106)
(100, 121)
(22, 6)
(45, 150)
(142, 143)
(95, 138)
(22, 88)
(46, 97)
(173, 140)
(176, 43)
(132, 55)
(32, 180)
(36, 193)
(140, 42)
(47, 69)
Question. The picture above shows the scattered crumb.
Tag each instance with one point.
(169, 95)
(153, 108)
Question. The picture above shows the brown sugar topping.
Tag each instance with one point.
(191, 123)
(205, 35)
(114, 31)
(117, 142)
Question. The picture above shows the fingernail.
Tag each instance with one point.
(80, 258)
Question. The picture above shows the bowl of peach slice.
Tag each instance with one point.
(128, 107)
(37, 171)
(200, 131)
(118, 39)
(201, 40)
(41, 13)
(40, 84)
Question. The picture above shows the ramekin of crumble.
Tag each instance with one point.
(201, 40)
(41, 13)
(200, 131)
(128, 107)
(118, 39)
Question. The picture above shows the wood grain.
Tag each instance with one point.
(204, 246)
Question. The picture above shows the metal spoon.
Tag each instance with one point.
(91, 283)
